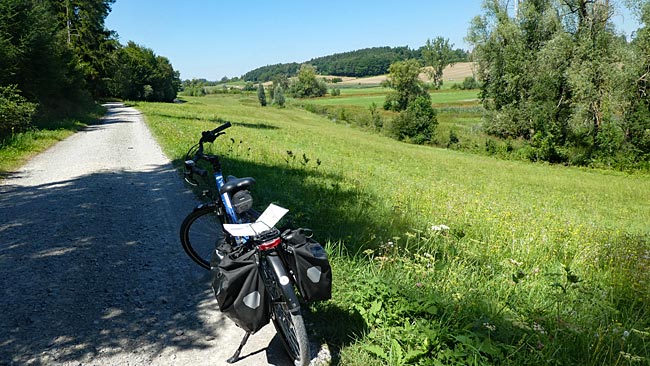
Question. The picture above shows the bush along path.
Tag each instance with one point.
(91, 270)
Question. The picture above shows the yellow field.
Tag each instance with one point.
(457, 72)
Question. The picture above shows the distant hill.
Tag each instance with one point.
(360, 63)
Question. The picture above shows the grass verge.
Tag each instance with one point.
(444, 257)
(18, 148)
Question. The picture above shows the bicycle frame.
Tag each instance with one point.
(225, 200)
(223, 206)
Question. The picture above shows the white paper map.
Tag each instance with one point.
(267, 220)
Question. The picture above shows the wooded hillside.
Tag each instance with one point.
(360, 63)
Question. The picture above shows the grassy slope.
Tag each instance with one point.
(519, 232)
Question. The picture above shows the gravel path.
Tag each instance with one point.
(91, 269)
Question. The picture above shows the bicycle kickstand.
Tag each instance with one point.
(235, 357)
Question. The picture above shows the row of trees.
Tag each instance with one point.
(557, 75)
(58, 56)
(360, 63)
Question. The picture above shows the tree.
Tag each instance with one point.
(35, 59)
(592, 72)
(261, 95)
(438, 54)
(404, 79)
(138, 68)
(81, 24)
(307, 85)
(278, 96)
(279, 80)
(550, 75)
(636, 124)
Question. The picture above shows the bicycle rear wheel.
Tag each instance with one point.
(289, 325)
(200, 234)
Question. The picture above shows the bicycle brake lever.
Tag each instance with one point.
(189, 180)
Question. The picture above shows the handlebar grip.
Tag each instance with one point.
(199, 171)
(210, 136)
(222, 127)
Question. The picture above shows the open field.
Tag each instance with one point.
(456, 72)
(539, 265)
(452, 74)
(377, 95)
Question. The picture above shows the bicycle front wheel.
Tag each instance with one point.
(200, 234)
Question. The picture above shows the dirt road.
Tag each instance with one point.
(91, 269)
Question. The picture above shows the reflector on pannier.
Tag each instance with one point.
(310, 266)
(240, 291)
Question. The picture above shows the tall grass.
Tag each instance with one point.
(440, 256)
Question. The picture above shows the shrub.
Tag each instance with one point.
(490, 146)
(307, 85)
(453, 138)
(417, 123)
(469, 83)
(375, 116)
(15, 111)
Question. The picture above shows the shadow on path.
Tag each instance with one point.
(92, 267)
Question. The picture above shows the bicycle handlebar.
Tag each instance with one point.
(222, 127)
(190, 163)
(210, 136)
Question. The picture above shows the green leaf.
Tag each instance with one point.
(376, 350)
(414, 354)
(490, 348)
(375, 307)
(397, 351)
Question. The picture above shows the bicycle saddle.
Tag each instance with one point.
(234, 184)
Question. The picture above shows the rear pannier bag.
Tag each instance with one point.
(310, 266)
(240, 290)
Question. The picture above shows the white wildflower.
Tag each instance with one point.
(539, 329)
(490, 327)
(441, 227)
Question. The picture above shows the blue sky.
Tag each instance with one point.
(214, 38)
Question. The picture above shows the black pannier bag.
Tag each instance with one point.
(240, 290)
(310, 266)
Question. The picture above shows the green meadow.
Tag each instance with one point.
(442, 257)
(366, 96)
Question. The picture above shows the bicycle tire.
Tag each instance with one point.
(290, 326)
(200, 233)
